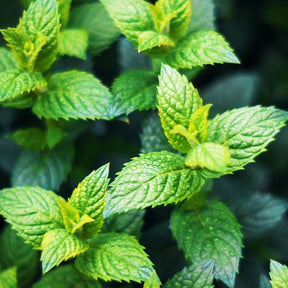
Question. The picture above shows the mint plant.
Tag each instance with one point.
(91, 235)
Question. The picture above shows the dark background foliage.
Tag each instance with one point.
(258, 32)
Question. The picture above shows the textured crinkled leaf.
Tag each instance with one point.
(57, 246)
(199, 275)
(130, 222)
(114, 256)
(151, 39)
(95, 20)
(65, 276)
(74, 95)
(152, 137)
(7, 60)
(209, 156)
(211, 233)
(200, 48)
(152, 179)
(203, 17)
(177, 101)
(14, 252)
(64, 11)
(131, 16)
(181, 11)
(90, 198)
(74, 43)
(22, 101)
(8, 278)
(32, 211)
(246, 131)
(278, 274)
(15, 82)
(41, 20)
(47, 168)
(153, 281)
(32, 138)
(134, 90)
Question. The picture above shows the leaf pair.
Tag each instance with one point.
(164, 31)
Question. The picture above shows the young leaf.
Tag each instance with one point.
(178, 100)
(181, 10)
(74, 43)
(14, 252)
(35, 212)
(211, 233)
(195, 276)
(211, 156)
(66, 276)
(278, 274)
(246, 131)
(203, 17)
(47, 168)
(200, 48)
(151, 39)
(74, 95)
(7, 60)
(131, 16)
(15, 82)
(152, 179)
(57, 246)
(115, 257)
(90, 198)
(41, 20)
(32, 138)
(8, 278)
(134, 90)
(95, 20)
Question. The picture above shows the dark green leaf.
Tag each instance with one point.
(211, 233)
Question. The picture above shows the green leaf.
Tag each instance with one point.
(57, 246)
(41, 21)
(21, 101)
(181, 11)
(130, 222)
(115, 257)
(278, 274)
(264, 282)
(47, 168)
(32, 138)
(15, 82)
(152, 137)
(153, 281)
(211, 233)
(152, 179)
(65, 276)
(90, 198)
(14, 252)
(95, 20)
(211, 156)
(131, 16)
(134, 90)
(74, 95)
(203, 17)
(7, 60)
(32, 211)
(178, 100)
(200, 48)
(8, 278)
(199, 275)
(64, 11)
(151, 39)
(246, 131)
(71, 217)
(54, 136)
(74, 43)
